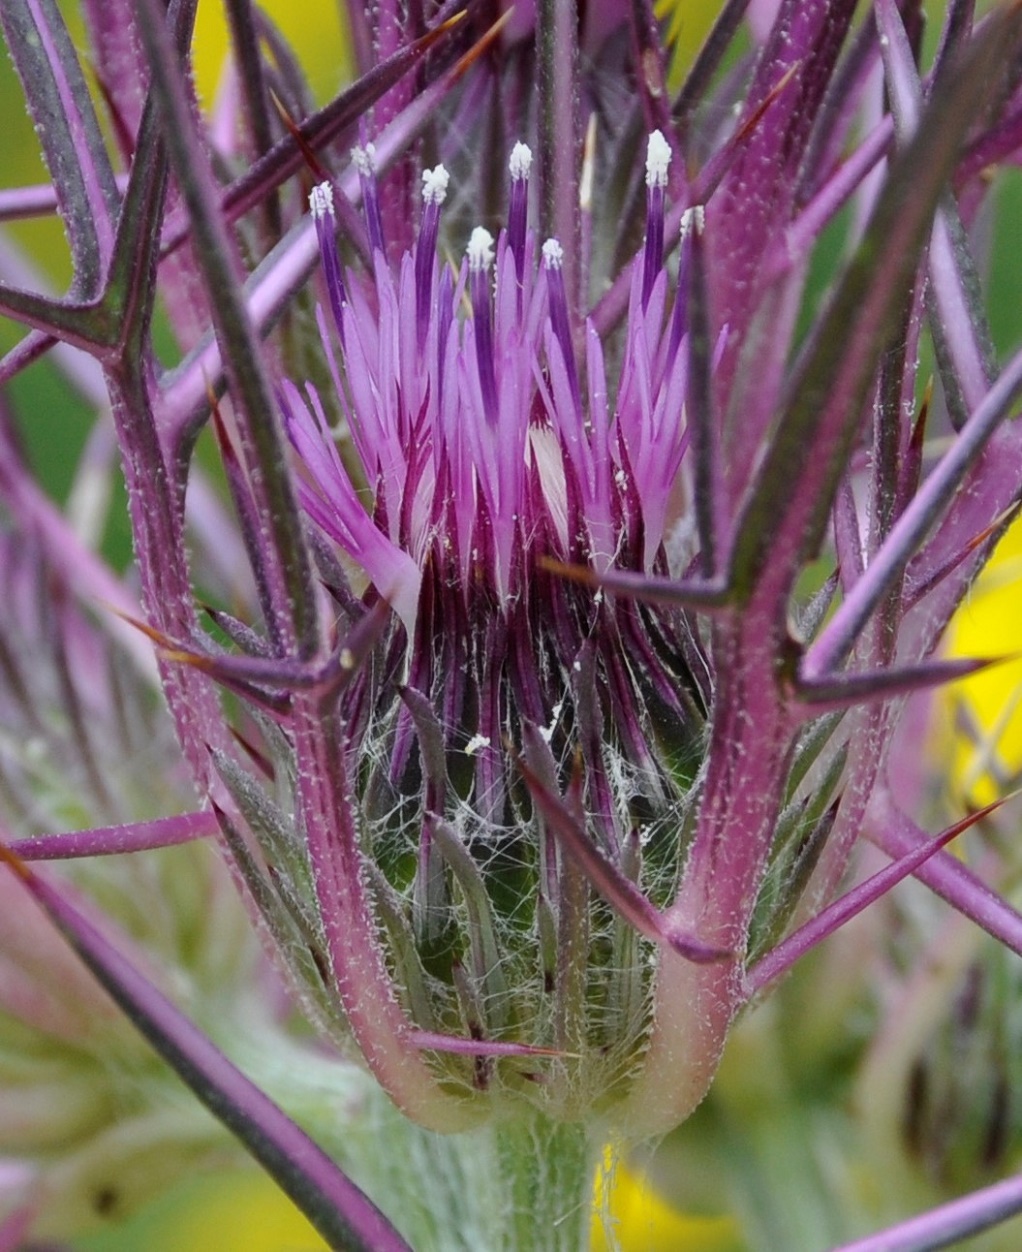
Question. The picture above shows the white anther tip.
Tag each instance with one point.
(321, 201)
(693, 219)
(434, 185)
(365, 159)
(521, 161)
(658, 158)
(553, 255)
(480, 249)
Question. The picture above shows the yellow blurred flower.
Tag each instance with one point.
(232, 1210)
(313, 30)
(984, 712)
(634, 1217)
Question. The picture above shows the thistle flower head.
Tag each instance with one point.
(489, 461)
(589, 578)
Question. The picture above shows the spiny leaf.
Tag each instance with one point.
(69, 132)
(292, 618)
(788, 505)
(161, 832)
(894, 833)
(608, 880)
(708, 597)
(852, 903)
(935, 495)
(848, 689)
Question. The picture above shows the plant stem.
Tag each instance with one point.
(523, 1184)
(548, 1170)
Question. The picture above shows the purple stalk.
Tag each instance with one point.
(949, 1224)
(334, 1205)
(292, 621)
(161, 832)
(560, 132)
(852, 903)
(935, 494)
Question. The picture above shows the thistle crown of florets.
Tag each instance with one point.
(488, 453)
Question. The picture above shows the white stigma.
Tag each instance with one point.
(365, 159)
(553, 254)
(693, 219)
(521, 161)
(658, 158)
(476, 744)
(321, 201)
(434, 185)
(480, 250)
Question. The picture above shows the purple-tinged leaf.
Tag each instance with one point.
(846, 689)
(155, 505)
(800, 236)
(17, 203)
(929, 578)
(118, 60)
(161, 832)
(272, 673)
(131, 287)
(433, 1042)
(958, 23)
(332, 1203)
(290, 89)
(852, 903)
(939, 490)
(292, 620)
(708, 597)
(720, 164)
(34, 345)
(894, 833)
(995, 146)
(949, 1224)
(255, 104)
(288, 156)
(81, 569)
(755, 199)
(69, 132)
(961, 334)
(699, 408)
(648, 56)
(608, 880)
(788, 505)
(705, 66)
